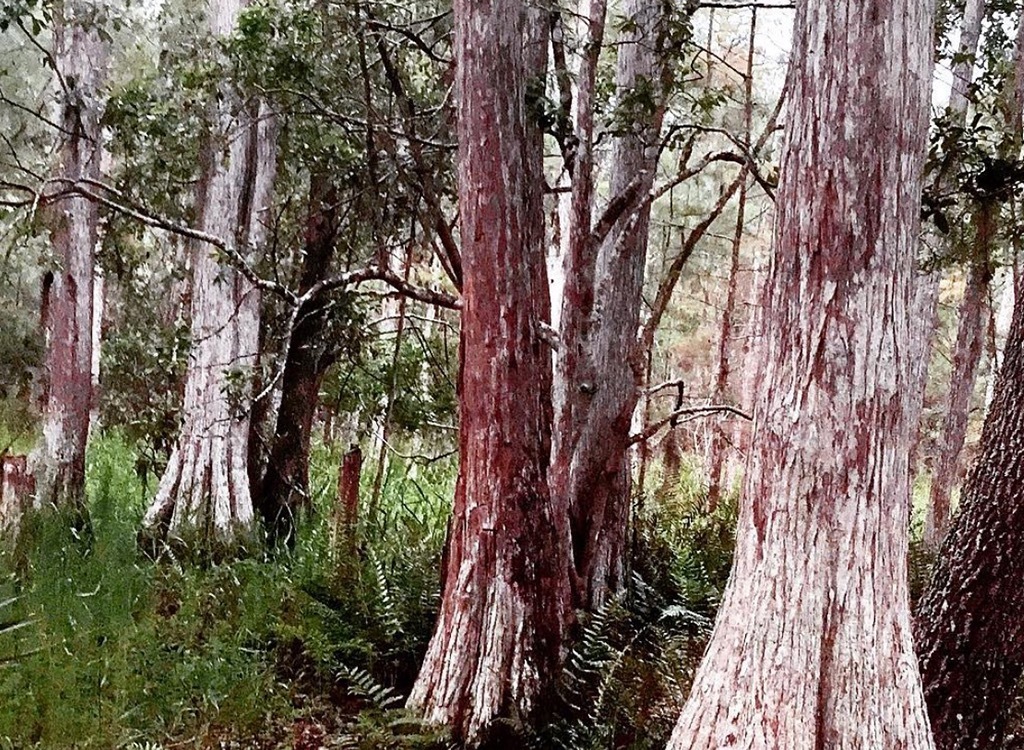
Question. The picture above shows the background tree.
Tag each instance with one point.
(205, 490)
(796, 659)
(498, 641)
(80, 63)
(969, 617)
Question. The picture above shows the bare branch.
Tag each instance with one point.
(685, 415)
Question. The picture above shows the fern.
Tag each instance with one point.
(364, 685)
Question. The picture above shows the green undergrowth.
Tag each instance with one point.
(293, 649)
(317, 647)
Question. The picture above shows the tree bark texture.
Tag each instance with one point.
(812, 645)
(81, 58)
(970, 622)
(970, 339)
(506, 603)
(599, 367)
(16, 488)
(285, 488)
(204, 496)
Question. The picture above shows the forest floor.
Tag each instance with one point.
(316, 647)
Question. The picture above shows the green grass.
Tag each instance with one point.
(122, 650)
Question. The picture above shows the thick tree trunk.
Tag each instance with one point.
(599, 367)
(969, 343)
(497, 644)
(16, 488)
(812, 646)
(970, 622)
(285, 487)
(59, 463)
(204, 496)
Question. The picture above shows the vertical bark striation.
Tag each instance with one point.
(204, 495)
(498, 639)
(812, 646)
(81, 57)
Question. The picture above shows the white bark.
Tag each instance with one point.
(204, 494)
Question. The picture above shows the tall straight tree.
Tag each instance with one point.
(969, 622)
(80, 57)
(506, 601)
(204, 493)
(812, 646)
(599, 366)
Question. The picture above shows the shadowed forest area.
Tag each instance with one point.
(542, 375)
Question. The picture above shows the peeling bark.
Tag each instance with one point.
(204, 497)
(812, 645)
(81, 58)
(496, 648)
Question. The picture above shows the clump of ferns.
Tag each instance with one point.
(628, 675)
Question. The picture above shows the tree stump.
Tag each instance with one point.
(17, 486)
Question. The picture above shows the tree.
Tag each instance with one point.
(204, 493)
(80, 62)
(285, 486)
(812, 645)
(600, 368)
(506, 600)
(968, 624)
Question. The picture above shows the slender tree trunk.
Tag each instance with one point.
(924, 308)
(812, 646)
(1000, 325)
(969, 343)
(204, 496)
(285, 487)
(600, 368)
(497, 644)
(59, 463)
(724, 369)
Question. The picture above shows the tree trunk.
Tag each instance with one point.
(16, 488)
(969, 340)
(59, 464)
(812, 646)
(285, 488)
(204, 496)
(924, 309)
(724, 369)
(496, 648)
(599, 366)
(970, 622)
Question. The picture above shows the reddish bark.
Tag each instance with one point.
(59, 464)
(347, 512)
(496, 648)
(812, 645)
